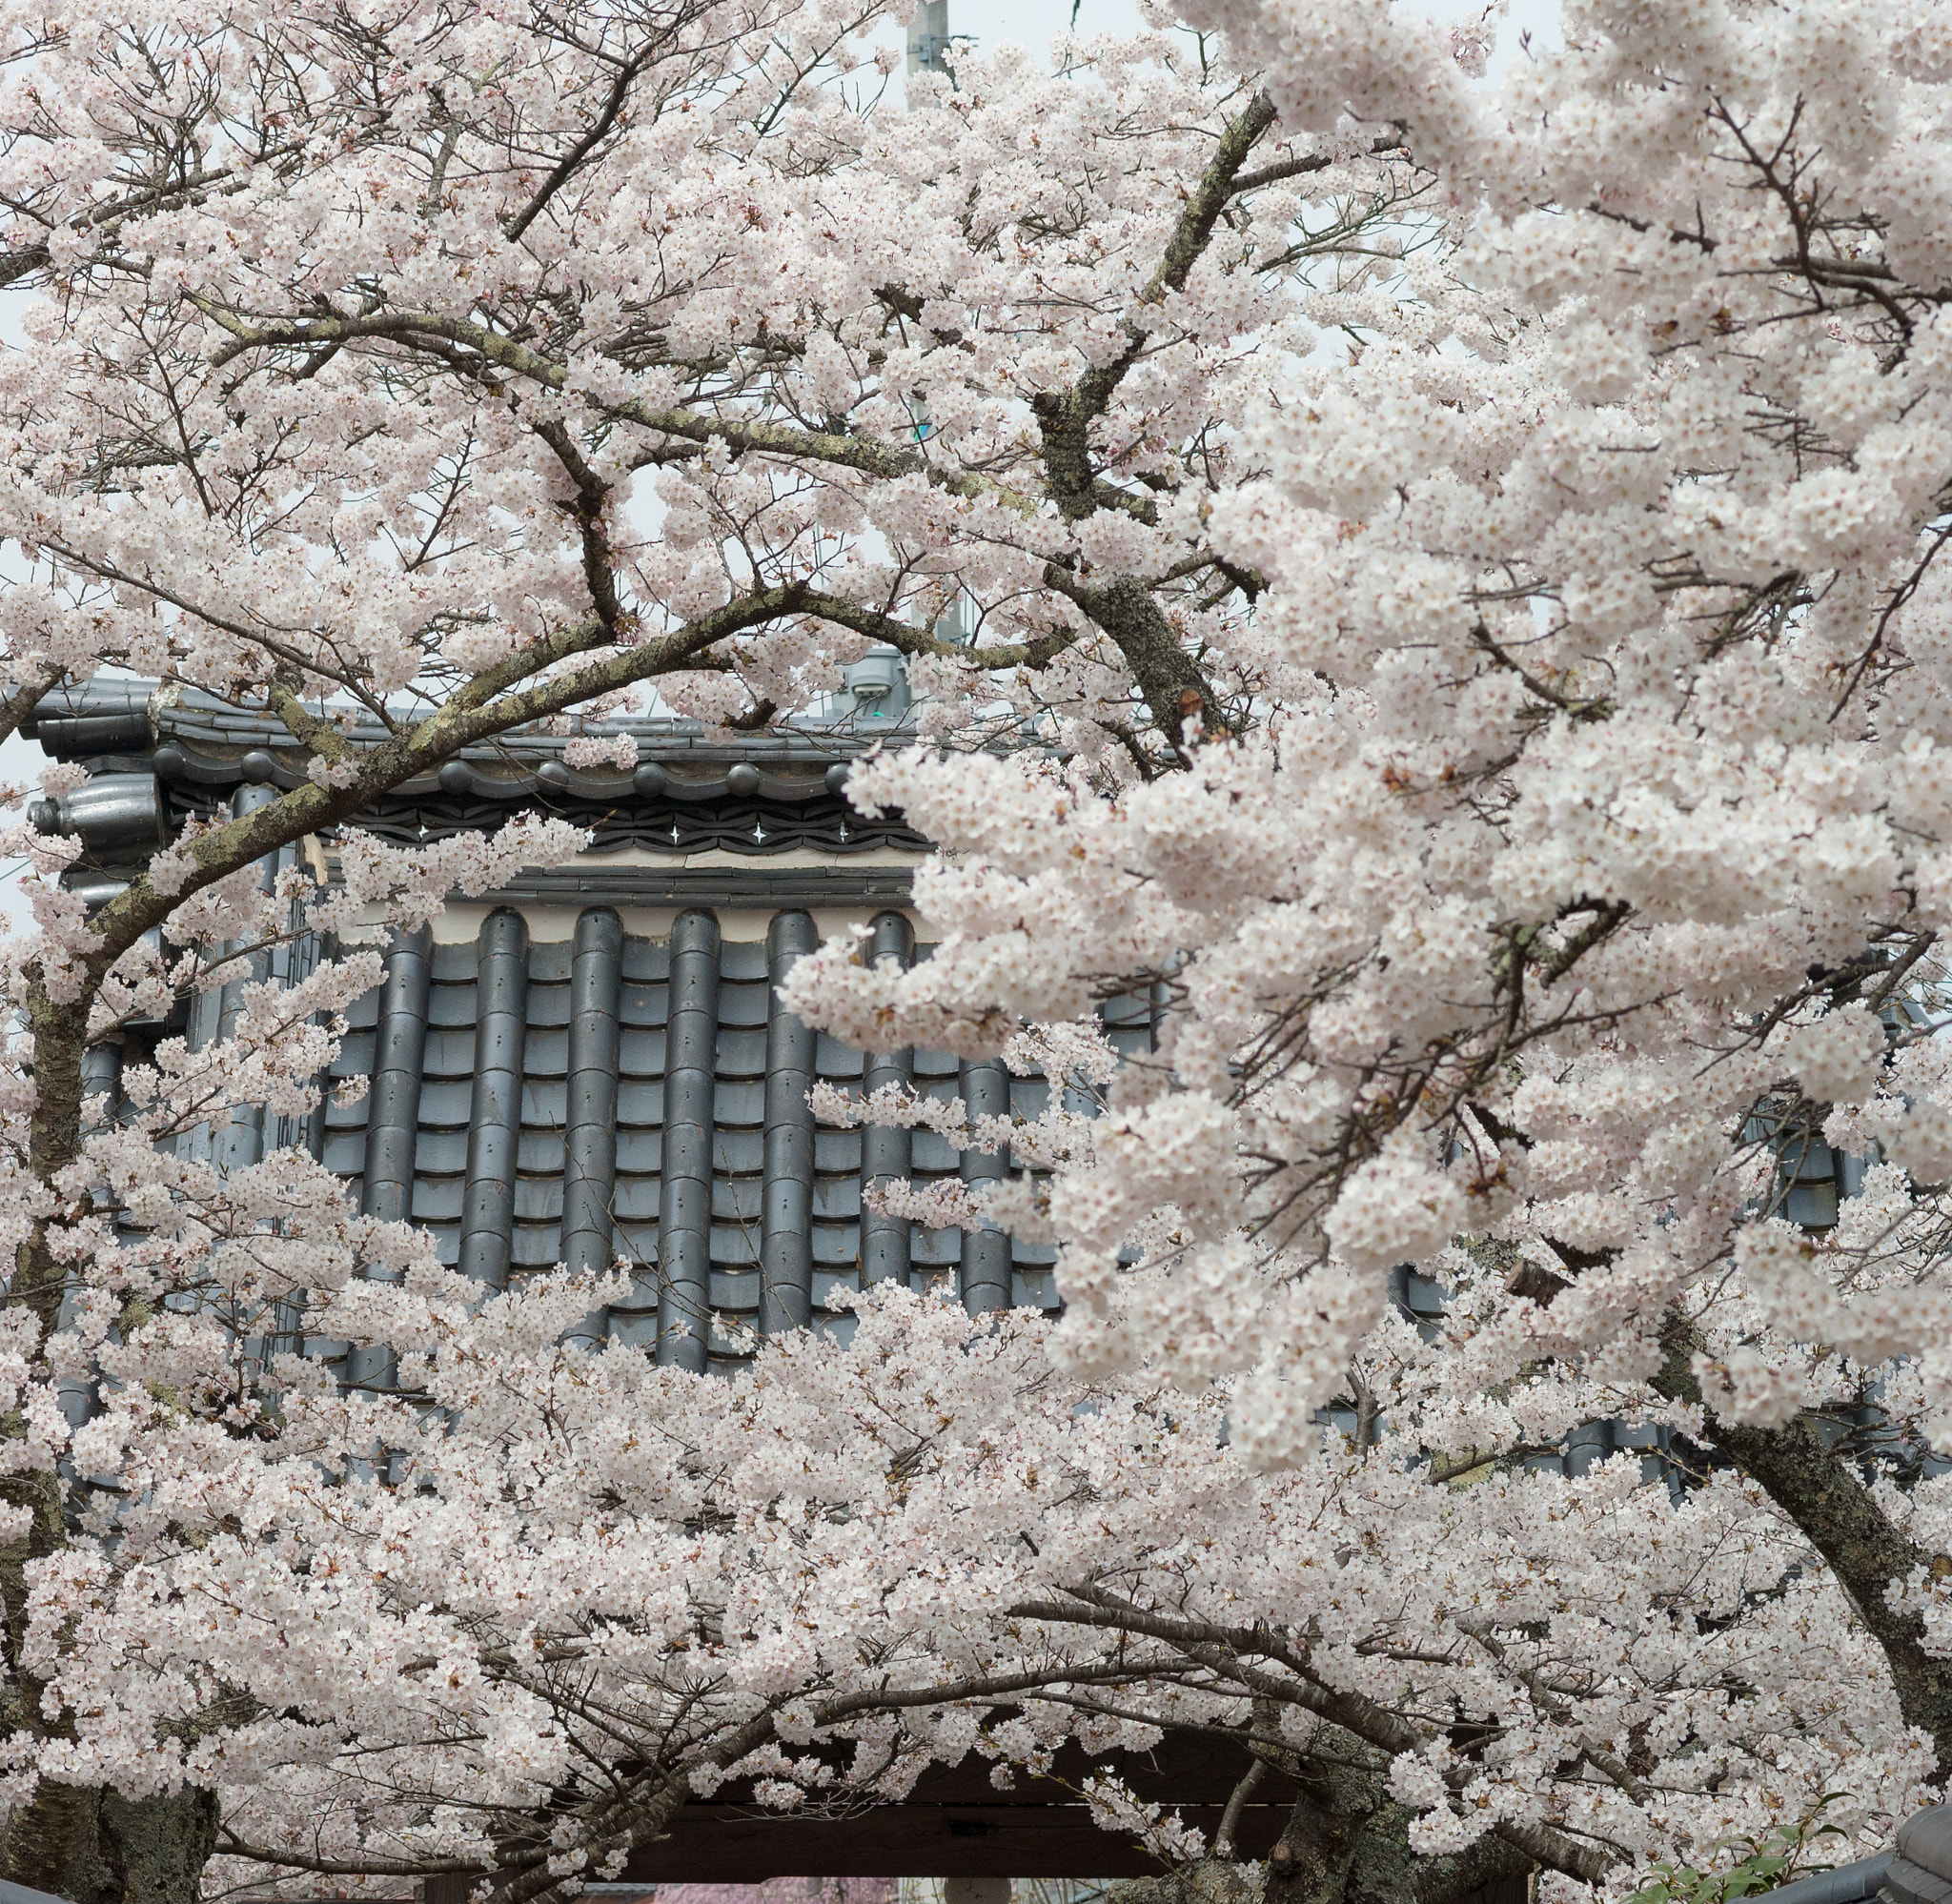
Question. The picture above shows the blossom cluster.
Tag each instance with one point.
(1447, 607)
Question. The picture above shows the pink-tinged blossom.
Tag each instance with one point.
(1485, 706)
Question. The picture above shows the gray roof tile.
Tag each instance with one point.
(635, 1203)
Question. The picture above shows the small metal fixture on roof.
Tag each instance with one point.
(879, 683)
(876, 674)
(111, 813)
(455, 778)
(743, 780)
(552, 775)
(651, 779)
(257, 768)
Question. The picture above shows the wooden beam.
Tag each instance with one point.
(735, 1844)
(957, 1824)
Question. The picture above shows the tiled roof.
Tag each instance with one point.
(572, 1098)
(155, 762)
(603, 1068)
(119, 717)
(568, 1098)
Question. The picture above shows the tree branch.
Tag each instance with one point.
(1816, 1486)
(1225, 1650)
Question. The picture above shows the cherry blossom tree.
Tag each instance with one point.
(467, 367)
(598, 1586)
(1571, 881)
(1466, 562)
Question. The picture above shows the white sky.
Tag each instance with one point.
(1033, 22)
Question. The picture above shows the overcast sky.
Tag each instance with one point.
(1033, 22)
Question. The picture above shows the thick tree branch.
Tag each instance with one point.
(913, 640)
(1225, 1651)
(462, 722)
(413, 329)
(1817, 1487)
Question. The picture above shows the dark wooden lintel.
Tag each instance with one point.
(735, 1844)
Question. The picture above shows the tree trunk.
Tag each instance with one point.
(1385, 1871)
(1823, 1492)
(1347, 1841)
(96, 1847)
(87, 1843)
(1166, 675)
(1311, 1861)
